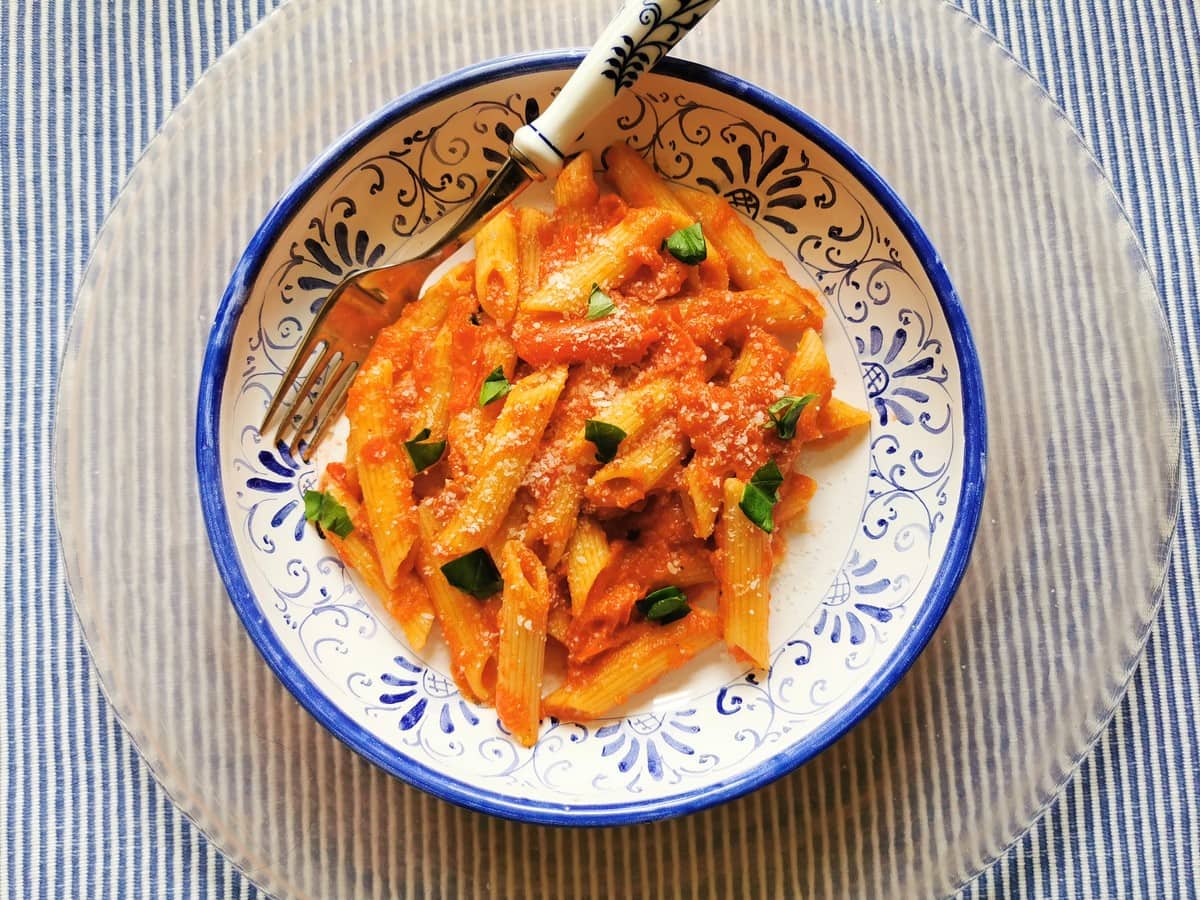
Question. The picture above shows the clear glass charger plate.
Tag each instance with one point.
(955, 763)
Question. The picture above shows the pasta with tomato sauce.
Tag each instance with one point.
(580, 448)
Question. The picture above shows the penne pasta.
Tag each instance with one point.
(701, 498)
(497, 267)
(509, 448)
(837, 417)
(524, 611)
(466, 625)
(621, 339)
(435, 385)
(369, 407)
(386, 484)
(576, 188)
(743, 571)
(555, 441)
(617, 254)
(592, 689)
(640, 185)
(407, 602)
(531, 226)
(587, 556)
(794, 498)
(788, 306)
(638, 468)
(637, 408)
(637, 183)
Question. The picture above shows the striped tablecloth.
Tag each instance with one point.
(83, 87)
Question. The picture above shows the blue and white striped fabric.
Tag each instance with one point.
(83, 87)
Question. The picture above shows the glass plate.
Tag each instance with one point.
(1023, 672)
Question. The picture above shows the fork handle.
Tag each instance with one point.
(642, 33)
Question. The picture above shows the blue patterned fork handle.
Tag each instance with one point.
(641, 34)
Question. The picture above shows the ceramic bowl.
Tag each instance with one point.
(863, 584)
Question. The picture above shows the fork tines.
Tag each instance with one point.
(317, 403)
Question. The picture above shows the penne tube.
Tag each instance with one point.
(808, 372)
(639, 185)
(837, 417)
(521, 652)
(408, 602)
(384, 475)
(744, 574)
(464, 621)
(576, 188)
(617, 254)
(794, 496)
(369, 408)
(435, 384)
(506, 454)
(788, 305)
(638, 468)
(701, 498)
(594, 688)
(587, 556)
(638, 408)
(497, 267)
(620, 339)
(531, 226)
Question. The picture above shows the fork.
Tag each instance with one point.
(360, 306)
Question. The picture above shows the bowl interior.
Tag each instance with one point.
(862, 586)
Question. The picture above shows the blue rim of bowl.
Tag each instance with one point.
(215, 365)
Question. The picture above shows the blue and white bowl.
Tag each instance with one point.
(863, 585)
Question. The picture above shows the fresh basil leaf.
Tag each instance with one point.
(494, 387)
(785, 414)
(757, 506)
(474, 574)
(422, 452)
(327, 514)
(768, 479)
(312, 505)
(760, 495)
(668, 610)
(599, 304)
(688, 245)
(664, 593)
(606, 438)
(665, 605)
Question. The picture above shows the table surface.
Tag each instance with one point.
(107, 74)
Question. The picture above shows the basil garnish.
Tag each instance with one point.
(474, 574)
(327, 514)
(606, 438)
(665, 605)
(760, 495)
(494, 387)
(785, 413)
(599, 304)
(688, 245)
(424, 454)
